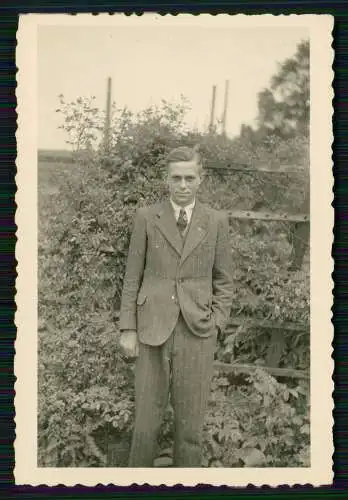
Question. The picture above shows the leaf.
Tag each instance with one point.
(260, 362)
(293, 392)
(253, 457)
(262, 443)
(216, 463)
(297, 420)
(266, 400)
(41, 324)
(52, 445)
(286, 395)
(302, 390)
(163, 462)
(250, 442)
(168, 452)
(94, 449)
(223, 382)
(230, 339)
(288, 441)
(305, 429)
(108, 249)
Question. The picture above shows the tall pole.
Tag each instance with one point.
(224, 116)
(107, 116)
(212, 109)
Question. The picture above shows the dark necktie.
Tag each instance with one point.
(182, 221)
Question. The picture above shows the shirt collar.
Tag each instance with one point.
(188, 209)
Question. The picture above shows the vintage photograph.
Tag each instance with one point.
(174, 256)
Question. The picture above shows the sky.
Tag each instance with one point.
(148, 64)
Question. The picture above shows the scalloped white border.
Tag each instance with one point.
(322, 220)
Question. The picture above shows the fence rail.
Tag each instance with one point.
(272, 325)
(268, 216)
(245, 368)
(229, 168)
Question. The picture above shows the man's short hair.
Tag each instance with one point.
(184, 153)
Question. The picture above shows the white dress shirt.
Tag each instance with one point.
(188, 209)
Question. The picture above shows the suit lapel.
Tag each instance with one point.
(196, 231)
(165, 221)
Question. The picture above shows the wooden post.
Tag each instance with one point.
(276, 348)
(212, 110)
(224, 115)
(300, 238)
(107, 116)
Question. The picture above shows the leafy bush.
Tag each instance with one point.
(262, 425)
(85, 386)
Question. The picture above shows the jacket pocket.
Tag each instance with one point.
(141, 299)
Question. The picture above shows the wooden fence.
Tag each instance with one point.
(300, 240)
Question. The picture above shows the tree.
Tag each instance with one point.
(284, 107)
(83, 123)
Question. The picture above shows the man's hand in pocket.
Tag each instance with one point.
(129, 343)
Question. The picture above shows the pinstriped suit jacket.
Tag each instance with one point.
(165, 274)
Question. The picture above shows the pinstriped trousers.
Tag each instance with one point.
(183, 368)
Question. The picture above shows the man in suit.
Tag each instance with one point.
(176, 298)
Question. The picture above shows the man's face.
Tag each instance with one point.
(183, 181)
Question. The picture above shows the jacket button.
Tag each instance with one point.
(173, 297)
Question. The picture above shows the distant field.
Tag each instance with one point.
(55, 155)
(50, 176)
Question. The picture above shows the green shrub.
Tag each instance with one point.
(265, 424)
(86, 395)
